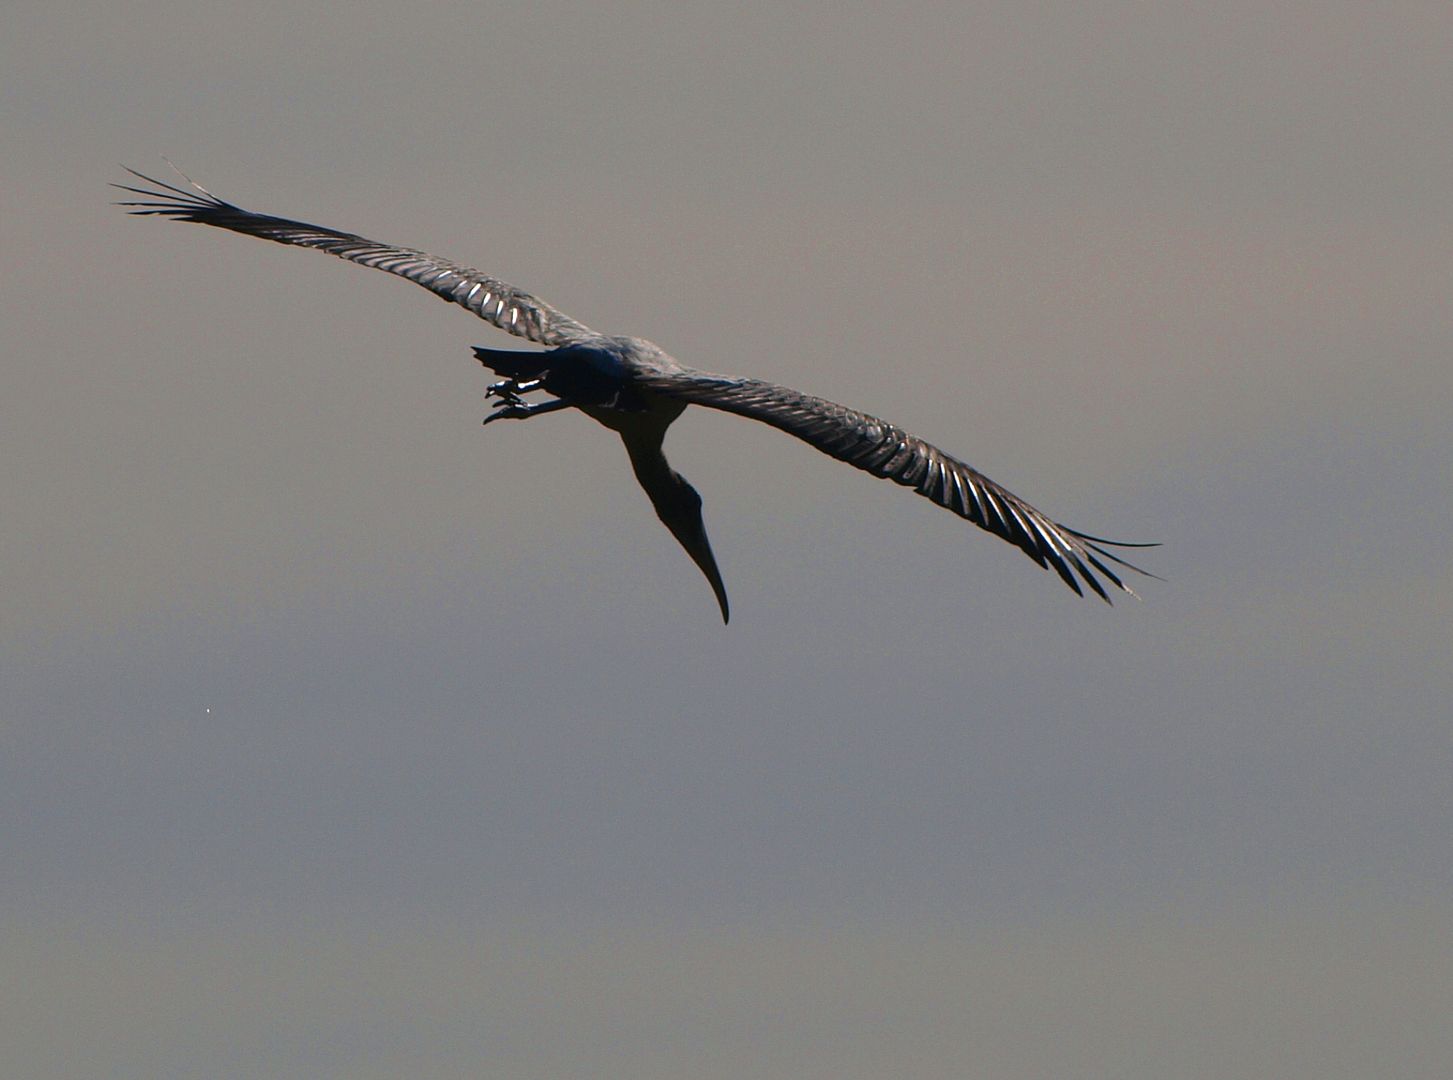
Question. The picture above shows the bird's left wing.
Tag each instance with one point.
(492, 300)
(880, 448)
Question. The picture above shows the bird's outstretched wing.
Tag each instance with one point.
(884, 450)
(492, 300)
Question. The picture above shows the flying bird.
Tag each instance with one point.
(636, 389)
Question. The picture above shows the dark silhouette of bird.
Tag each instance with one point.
(635, 388)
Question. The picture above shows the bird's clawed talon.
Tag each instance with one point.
(511, 408)
(507, 391)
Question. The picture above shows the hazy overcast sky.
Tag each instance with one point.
(345, 738)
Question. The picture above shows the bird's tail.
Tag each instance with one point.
(512, 363)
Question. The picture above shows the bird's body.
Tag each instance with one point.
(636, 389)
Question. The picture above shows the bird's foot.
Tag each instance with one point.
(509, 390)
(512, 407)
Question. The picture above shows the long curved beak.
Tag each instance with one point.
(677, 505)
(690, 531)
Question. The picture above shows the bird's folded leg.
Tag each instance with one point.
(512, 387)
(513, 408)
(509, 390)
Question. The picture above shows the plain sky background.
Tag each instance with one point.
(342, 738)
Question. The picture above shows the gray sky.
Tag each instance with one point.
(345, 738)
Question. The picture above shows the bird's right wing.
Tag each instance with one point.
(492, 300)
(880, 448)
